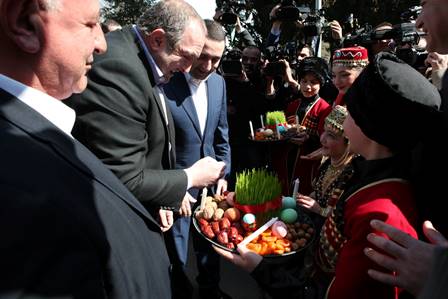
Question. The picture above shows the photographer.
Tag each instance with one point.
(245, 102)
(301, 24)
(232, 15)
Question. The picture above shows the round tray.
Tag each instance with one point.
(302, 218)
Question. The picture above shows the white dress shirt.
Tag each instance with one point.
(198, 90)
(52, 109)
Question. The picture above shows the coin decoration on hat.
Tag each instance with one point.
(351, 57)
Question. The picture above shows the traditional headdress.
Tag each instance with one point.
(335, 120)
(316, 66)
(351, 57)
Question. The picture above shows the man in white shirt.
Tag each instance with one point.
(69, 227)
(198, 103)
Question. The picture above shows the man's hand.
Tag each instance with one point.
(166, 219)
(185, 206)
(205, 172)
(248, 260)
(409, 258)
(221, 186)
(336, 30)
(437, 61)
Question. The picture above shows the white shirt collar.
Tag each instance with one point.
(52, 109)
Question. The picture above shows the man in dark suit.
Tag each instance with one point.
(122, 115)
(198, 103)
(68, 226)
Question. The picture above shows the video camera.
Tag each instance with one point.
(411, 14)
(405, 36)
(287, 52)
(232, 9)
(231, 64)
(313, 21)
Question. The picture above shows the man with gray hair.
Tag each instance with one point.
(123, 117)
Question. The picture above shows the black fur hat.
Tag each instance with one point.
(394, 104)
(316, 66)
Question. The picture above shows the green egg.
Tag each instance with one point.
(288, 202)
(288, 216)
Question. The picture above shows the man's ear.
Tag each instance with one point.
(156, 40)
(21, 22)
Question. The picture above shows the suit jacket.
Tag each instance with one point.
(191, 145)
(121, 120)
(69, 227)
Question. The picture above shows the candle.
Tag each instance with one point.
(258, 232)
(297, 120)
(262, 122)
(296, 188)
(203, 196)
(278, 130)
(251, 130)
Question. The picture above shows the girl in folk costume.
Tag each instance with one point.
(383, 103)
(335, 170)
(385, 99)
(347, 65)
(310, 111)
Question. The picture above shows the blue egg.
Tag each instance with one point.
(249, 218)
(281, 129)
(288, 216)
(288, 202)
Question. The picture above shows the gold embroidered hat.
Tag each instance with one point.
(351, 57)
(335, 120)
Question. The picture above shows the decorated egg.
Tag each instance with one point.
(230, 198)
(233, 214)
(268, 132)
(281, 129)
(288, 202)
(288, 215)
(279, 229)
(249, 222)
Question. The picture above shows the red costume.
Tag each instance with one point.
(390, 200)
(312, 115)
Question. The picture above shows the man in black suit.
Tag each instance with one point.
(68, 226)
(122, 115)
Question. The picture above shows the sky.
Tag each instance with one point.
(205, 8)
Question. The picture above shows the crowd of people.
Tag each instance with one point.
(110, 134)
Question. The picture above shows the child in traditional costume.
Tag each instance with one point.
(310, 111)
(335, 170)
(347, 64)
(383, 104)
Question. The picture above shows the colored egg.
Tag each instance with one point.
(249, 222)
(249, 218)
(232, 214)
(288, 202)
(281, 129)
(288, 215)
(279, 229)
(268, 132)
